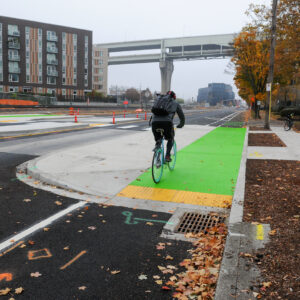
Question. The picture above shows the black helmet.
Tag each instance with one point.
(172, 94)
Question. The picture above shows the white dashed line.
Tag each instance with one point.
(13, 239)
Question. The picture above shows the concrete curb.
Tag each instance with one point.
(35, 173)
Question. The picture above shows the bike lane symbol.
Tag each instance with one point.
(133, 221)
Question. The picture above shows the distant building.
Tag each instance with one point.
(215, 93)
(100, 66)
(44, 58)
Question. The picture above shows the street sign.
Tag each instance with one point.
(268, 87)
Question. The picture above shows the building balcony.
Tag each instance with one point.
(52, 38)
(14, 70)
(52, 73)
(52, 50)
(13, 45)
(52, 62)
(14, 57)
(13, 32)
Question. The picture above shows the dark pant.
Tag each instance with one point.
(169, 133)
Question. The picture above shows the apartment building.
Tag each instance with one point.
(44, 58)
(100, 66)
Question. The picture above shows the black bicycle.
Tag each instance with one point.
(288, 122)
(158, 161)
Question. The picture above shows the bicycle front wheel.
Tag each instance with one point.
(157, 165)
(172, 163)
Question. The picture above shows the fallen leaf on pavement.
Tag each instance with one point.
(80, 231)
(160, 247)
(91, 227)
(26, 200)
(58, 203)
(23, 246)
(36, 274)
(30, 242)
(149, 223)
(4, 291)
(169, 257)
(103, 221)
(165, 288)
(267, 284)
(66, 248)
(154, 216)
(82, 288)
(68, 221)
(46, 229)
(173, 278)
(158, 282)
(115, 272)
(79, 216)
(19, 290)
(272, 232)
(156, 277)
(142, 277)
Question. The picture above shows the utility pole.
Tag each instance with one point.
(271, 66)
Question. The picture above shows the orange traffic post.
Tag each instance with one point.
(124, 114)
(114, 120)
(145, 115)
(75, 119)
(137, 115)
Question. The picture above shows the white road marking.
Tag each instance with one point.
(13, 239)
(127, 127)
(147, 129)
(227, 117)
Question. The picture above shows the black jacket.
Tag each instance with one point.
(176, 108)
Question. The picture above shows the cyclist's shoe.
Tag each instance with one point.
(168, 158)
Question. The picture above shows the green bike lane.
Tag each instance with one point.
(205, 173)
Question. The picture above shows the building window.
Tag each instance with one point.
(13, 77)
(13, 89)
(63, 92)
(51, 80)
(51, 36)
(13, 67)
(13, 30)
(1, 88)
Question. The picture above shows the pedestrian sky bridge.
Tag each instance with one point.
(182, 48)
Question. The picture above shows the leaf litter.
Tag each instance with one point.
(201, 270)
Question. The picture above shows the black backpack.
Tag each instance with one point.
(162, 106)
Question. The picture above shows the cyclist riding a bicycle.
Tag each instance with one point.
(164, 110)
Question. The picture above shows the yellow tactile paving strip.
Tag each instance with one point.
(157, 194)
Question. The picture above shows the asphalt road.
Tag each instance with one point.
(92, 253)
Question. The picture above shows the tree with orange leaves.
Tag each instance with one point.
(252, 47)
(251, 63)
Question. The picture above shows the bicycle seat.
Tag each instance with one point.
(160, 130)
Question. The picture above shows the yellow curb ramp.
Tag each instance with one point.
(186, 197)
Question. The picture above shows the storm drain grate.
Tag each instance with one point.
(197, 222)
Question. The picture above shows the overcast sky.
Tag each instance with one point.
(128, 20)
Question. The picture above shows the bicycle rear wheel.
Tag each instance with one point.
(157, 165)
(172, 163)
(287, 124)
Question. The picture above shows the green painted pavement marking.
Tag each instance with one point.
(208, 165)
(25, 116)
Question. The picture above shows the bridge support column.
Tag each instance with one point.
(166, 70)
